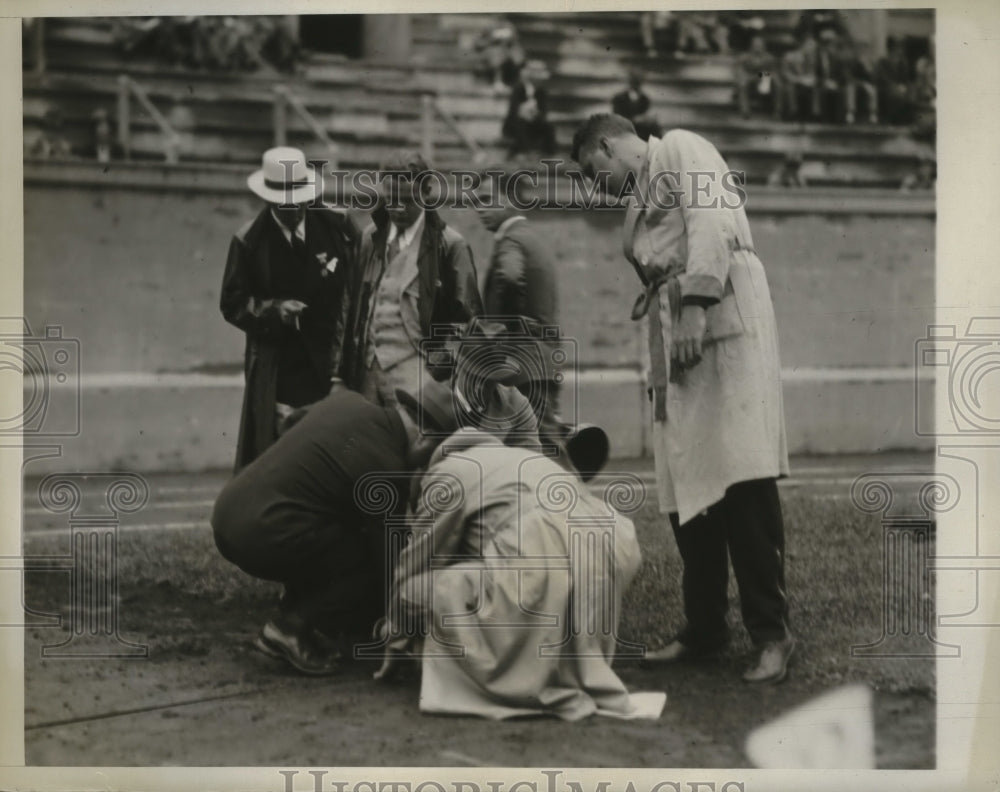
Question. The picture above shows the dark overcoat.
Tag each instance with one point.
(248, 302)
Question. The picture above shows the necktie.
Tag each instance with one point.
(299, 246)
(392, 250)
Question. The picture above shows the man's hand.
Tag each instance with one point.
(289, 311)
(390, 665)
(688, 335)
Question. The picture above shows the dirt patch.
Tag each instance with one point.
(204, 697)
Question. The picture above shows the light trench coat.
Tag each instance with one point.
(722, 421)
(516, 572)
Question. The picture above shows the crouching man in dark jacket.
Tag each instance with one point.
(291, 516)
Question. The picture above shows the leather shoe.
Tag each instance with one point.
(772, 665)
(299, 649)
(675, 652)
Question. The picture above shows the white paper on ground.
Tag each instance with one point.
(834, 731)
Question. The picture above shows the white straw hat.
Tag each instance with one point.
(284, 177)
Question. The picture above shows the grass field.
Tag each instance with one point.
(198, 613)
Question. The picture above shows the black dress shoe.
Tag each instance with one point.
(300, 649)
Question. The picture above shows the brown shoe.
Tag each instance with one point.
(299, 649)
(772, 665)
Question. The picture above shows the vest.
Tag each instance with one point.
(390, 342)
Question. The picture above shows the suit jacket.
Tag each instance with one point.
(624, 105)
(518, 96)
(248, 302)
(444, 293)
(521, 280)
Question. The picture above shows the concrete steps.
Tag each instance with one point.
(368, 108)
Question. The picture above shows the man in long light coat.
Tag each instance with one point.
(719, 437)
(513, 580)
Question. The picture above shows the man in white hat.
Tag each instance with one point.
(285, 287)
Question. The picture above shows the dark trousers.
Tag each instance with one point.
(748, 522)
(334, 575)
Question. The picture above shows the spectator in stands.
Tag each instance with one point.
(924, 178)
(415, 282)
(527, 124)
(743, 27)
(832, 70)
(279, 44)
(699, 33)
(102, 136)
(285, 287)
(222, 43)
(757, 79)
(653, 27)
(860, 76)
(503, 55)
(52, 143)
(292, 516)
(798, 77)
(893, 80)
(812, 23)
(924, 95)
(633, 103)
(788, 173)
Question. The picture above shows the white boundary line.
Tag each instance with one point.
(125, 379)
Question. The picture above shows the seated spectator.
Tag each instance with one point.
(654, 26)
(798, 79)
(860, 75)
(924, 96)
(527, 125)
(743, 27)
(892, 81)
(757, 79)
(223, 43)
(924, 178)
(51, 144)
(831, 76)
(102, 136)
(788, 173)
(633, 103)
(695, 31)
(812, 23)
(503, 55)
(279, 44)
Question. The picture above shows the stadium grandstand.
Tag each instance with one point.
(144, 130)
(349, 88)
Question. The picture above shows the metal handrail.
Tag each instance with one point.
(431, 106)
(127, 88)
(283, 99)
